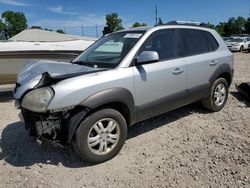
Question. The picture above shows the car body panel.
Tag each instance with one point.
(146, 89)
(72, 91)
(154, 82)
(31, 73)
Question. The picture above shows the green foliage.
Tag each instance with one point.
(209, 25)
(46, 29)
(247, 26)
(15, 22)
(113, 23)
(2, 37)
(234, 26)
(60, 31)
(36, 27)
(220, 28)
(137, 24)
(1, 25)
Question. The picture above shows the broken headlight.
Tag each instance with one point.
(38, 100)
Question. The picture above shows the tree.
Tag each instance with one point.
(160, 21)
(247, 26)
(60, 31)
(46, 29)
(113, 23)
(234, 26)
(220, 28)
(2, 26)
(209, 25)
(240, 22)
(15, 22)
(36, 27)
(137, 24)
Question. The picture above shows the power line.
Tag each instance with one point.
(82, 30)
(96, 29)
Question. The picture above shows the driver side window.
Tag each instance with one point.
(163, 42)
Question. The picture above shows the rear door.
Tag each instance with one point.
(197, 47)
(160, 86)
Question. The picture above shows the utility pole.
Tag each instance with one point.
(82, 30)
(156, 15)
(96, 29)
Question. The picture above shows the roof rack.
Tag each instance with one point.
(199, 24)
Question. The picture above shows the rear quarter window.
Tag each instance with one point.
(194, 41)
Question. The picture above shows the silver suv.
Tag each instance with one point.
(123, 78)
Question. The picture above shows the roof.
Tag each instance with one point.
(38, 35)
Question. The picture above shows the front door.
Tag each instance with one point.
(160, 86)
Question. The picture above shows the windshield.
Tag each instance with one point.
(237, 40)
(109, 51)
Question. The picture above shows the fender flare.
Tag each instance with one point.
(101, 98)
(221, 69)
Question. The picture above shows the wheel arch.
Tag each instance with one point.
(119, 99)
(223, 71)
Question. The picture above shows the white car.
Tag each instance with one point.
(240, 44)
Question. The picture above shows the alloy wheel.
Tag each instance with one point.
(103, 136)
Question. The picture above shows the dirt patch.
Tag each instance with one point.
(188, 147)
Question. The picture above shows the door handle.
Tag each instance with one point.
(213, 62)
(178, 71)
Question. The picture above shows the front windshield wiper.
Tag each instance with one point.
(83, 63)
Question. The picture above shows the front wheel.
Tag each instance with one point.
(218, 96)
(241, 49)
(100, 136)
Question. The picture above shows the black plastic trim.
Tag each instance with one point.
(74, 122)
(113, 95)
(221, 69)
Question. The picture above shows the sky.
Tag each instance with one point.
(87, 17)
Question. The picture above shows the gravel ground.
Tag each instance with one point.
(188, 147)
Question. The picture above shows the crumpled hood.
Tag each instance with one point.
(35, 68)
(31, 73)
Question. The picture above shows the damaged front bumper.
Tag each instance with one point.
(58, 126)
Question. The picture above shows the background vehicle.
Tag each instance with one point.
(123, 78)
(240, 44)
(226, 38)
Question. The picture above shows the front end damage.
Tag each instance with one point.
(58, 126)
(51, 126)
(33, 84)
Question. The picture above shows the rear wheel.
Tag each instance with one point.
(100, 136)
(218, 96)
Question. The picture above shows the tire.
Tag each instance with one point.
(97, 142)
(241, 49)
(214, 103)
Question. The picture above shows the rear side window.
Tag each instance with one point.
(213, 44)
(163, 42)
(193, 41)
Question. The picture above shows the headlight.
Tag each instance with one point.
(38, 100)
(236, 44)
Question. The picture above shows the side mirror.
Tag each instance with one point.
(147, 57)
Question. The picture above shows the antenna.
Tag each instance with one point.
(156, 15)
